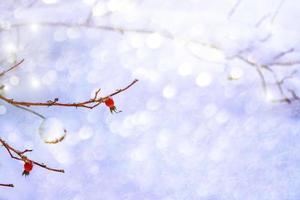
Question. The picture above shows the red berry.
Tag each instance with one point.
(27, 167)
(109, 102)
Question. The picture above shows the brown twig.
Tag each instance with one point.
(19, 155)
(11, 68)
(259, 67)
(6, 185)
(92, 103)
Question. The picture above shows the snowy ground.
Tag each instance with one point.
(186, 131)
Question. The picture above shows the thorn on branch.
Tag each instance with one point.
(26, 150)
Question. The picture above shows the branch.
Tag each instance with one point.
(92, 103)
(277, 11)
(19, 155)
(233, 9)
(259, 67)
(11, 68)
(281, 54)
(6, 185)
(86, 25)
(31, 111)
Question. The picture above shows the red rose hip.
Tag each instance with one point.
(109, 102)
(28, 165)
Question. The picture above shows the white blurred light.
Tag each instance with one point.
(13, 137)
(180, 43)
(14, 80)
(86, 132)
(136, 41)
(162, 141)
(144, 73)
(6, 88)
(5, 25)
(50, 1)
(153, 104)
(141, 53)
(73, 33)
(196, 31)
(154, 40)
(123, 6)
(63, 156)
(89, 2)
(114, 127)
(269, 97)
(2, 109)
(169, 91)
(138, 154)
(128, 123)
(49, 78)
(34, 27)
(114, 5)
(236, 73)
(203, 79)
(222, 117)
(207, 52)
(10, 48)
(35, 83)
(99, 9)
(144, 118)
(185, 69)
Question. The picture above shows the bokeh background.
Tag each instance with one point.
(198, 125)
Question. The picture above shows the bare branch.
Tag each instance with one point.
(285, 64)
(20, 156)
(11, 68)
(277, 11)
(92, 103)
(86, 25)
(31, 111)
(234, 8)
(6, 185)
(280, 55)
(262, 19)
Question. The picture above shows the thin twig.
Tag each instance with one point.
(234, 8)
(277, 11)
(11, 68)
(20, 156)
(6, 185)
(31, 111)
(85, 25)
(92, 103)
(281, 54)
